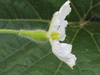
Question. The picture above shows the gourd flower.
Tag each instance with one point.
(56, 33)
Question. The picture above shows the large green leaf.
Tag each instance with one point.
(22, 56)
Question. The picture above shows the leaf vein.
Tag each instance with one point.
(96, 4)
(76, 11)
(41, 20)
(92, 38)
(34, 9)
(37, 61)
(75, 35)
(79, 69)
(88, 10)
(58, 68)
(16, 51)
(6, 25)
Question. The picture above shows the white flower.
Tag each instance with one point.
(56, 33)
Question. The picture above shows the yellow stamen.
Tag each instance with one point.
(54, 36)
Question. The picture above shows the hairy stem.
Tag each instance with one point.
(9, 31)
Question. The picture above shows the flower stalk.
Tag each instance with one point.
(55, 34)
(37, 35)
(9, 31)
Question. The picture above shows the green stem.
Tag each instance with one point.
(38, 35)
(9, 31)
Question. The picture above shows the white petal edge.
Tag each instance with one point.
(61, 31)
(64, 11)
(63, 52)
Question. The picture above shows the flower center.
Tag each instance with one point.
(54, 36)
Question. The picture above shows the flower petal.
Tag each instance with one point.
(59, 17)
(64, 11)
(61, 30)
(54, 24)
(63, 52)
(62, 49)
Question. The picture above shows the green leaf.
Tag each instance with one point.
(22, 56)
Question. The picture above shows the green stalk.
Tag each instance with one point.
(9, 31)
(38, 35)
